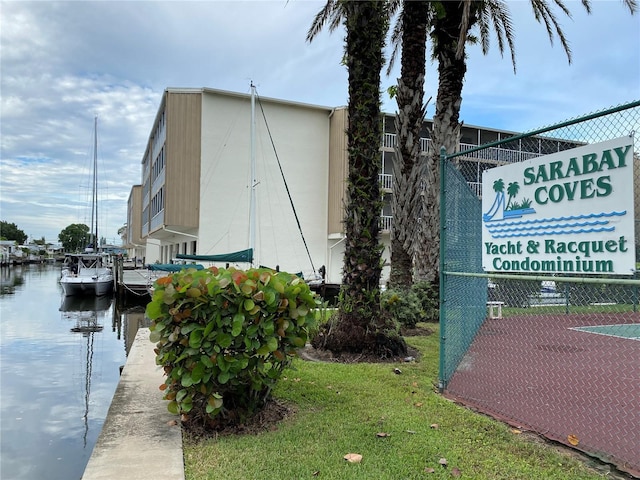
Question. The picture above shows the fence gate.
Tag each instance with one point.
(555, 353)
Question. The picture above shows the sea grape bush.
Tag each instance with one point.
(224, 337)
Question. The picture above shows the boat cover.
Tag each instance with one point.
(233, 257)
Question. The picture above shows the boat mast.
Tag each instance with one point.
(254, 181)
(94, 199)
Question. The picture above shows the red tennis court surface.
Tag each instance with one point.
(536, 373)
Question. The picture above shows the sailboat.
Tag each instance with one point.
(249, 254)
(88, 273)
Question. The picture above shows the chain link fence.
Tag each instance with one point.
(555, 353)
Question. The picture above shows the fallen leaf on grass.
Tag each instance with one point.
(397, 371)
(382, 434)
(412, 432)
(429, 470)
(353, 457)
(455, 471)
(573, 440)
(516, 431)
(435, 426)
(419, 404)
(443, 462)
(316, 473)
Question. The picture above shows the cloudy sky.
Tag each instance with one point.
(64, 63)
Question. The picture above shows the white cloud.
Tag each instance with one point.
(65, 62)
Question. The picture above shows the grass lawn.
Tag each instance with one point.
(340, 409)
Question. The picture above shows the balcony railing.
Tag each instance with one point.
(385, 223)
(496, 154)
(386, 181)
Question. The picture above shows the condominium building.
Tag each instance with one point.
(225, 171)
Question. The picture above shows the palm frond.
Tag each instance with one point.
(332, 14)
(498, 13)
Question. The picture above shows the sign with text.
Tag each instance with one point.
(570, 212)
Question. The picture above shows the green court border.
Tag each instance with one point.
(612, 330)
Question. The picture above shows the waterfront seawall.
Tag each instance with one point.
(139, 439)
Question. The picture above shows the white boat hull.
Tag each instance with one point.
(90, 281)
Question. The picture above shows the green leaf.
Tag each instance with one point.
(154, 310)
(224, 340)
(181, 394)
(298, 342)
(223, 365)
(195, 339)
(249, 304)
(242, 362)
(252, 330)
(269, 297)
(268, 328)
(215, 401)
(198, 372)
(206, 361)
(155, 336)
(272, 343)
(238, 320)
(186, 380)
(224, 377)
(263, 350)
(173, 407)
(208, 329)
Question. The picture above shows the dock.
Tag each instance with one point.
(133, 283)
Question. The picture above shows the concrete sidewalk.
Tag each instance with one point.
(140, 439)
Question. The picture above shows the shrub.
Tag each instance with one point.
(429, 296)
(408, 307)
(224, 337)
(403, 305)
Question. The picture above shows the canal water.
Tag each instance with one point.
(60, 362)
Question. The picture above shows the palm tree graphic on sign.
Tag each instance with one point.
(510, 208)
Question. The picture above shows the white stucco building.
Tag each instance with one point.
(196, 183)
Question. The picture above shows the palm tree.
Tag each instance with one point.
(512, 191)
(452, 24)
(359, 325)
(412, 28)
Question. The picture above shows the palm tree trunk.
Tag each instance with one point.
(406, 203)
(445, 133)
(360, 327)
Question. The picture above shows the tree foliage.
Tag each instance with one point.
(74, 237)
(10, 231)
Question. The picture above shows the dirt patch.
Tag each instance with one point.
(265, 420)
(312, 354)
(416, 332)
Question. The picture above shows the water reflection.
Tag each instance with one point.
(10, 278)
(60, 361)
(128, 320)
(88, 314)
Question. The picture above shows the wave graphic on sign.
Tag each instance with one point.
(552, 226)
